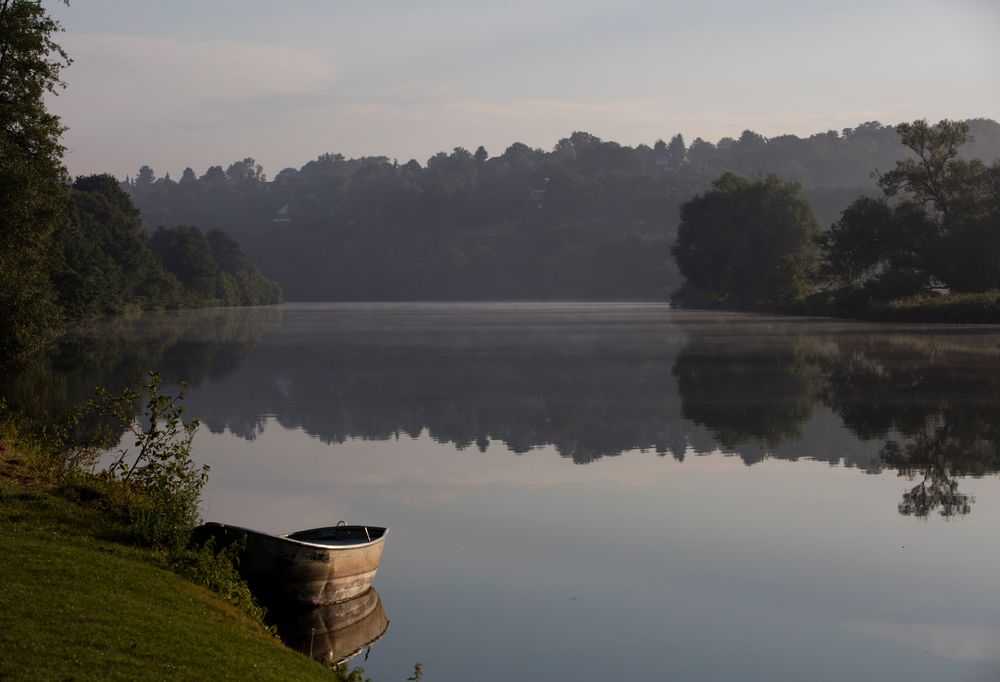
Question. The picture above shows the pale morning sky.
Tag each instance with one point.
(204, 82)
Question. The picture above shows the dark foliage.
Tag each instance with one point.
(32, 177)
(212, 268)
(747, 244)
(107, 265)
(588, 219)
(75, 252)
(937, 225)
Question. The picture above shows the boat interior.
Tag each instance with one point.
(339, 535)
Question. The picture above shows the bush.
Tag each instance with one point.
(217, 571)
(163, 482)
(149, 496)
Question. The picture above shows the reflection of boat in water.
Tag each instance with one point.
(316, 566)
(335, 632)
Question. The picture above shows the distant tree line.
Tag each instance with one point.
(590, 219)
(933, 232)
(106, 263)
(72, 251)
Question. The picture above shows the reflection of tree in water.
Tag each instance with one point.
(938, 457)
(757, 393)
(589, 384)
(935, 402)
(525, 397)
(589, 389)
(113, 352)
(937, 488)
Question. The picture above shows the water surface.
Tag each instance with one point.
(593, 491)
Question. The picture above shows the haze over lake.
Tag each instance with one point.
(573, 488)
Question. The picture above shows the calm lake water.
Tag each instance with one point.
(607, 491)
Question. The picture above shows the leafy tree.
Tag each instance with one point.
(750, 141)
(226, 252)
(145, 177)
(675, 151)
(106, 261)
(185, 253)
(239, 281)
(32, 176)
(958, 197)
(214, 176)
(938, 223)
(877, 251)
(928, 180)
(861, 252)
(747, 244)
(285, 176)
(246, 173)
(701, 153)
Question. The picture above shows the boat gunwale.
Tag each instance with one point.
(335, 548)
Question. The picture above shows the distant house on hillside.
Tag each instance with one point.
(282, 217)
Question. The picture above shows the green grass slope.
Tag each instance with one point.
(76, 606)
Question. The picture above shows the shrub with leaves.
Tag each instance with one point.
(217, 571)
(154, 461)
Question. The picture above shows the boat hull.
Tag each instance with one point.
(305, 570)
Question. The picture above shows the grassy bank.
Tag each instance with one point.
(84, 596)
(979, 308)
(76, 606)
(930, 308)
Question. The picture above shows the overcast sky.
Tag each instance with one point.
(198, 83)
